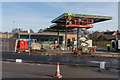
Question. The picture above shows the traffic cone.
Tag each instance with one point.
(79, 52)
(57, 73)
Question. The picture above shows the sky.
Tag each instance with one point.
(38, 15)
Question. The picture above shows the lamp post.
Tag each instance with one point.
(116, 35)
(29, 41)
(7, 35)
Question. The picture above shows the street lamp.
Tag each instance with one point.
(29, 41)
(116, 35)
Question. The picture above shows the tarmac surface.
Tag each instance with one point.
(111, 62)
(32, 70)
(28, 70)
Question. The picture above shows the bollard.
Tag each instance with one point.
(18, 60)
(102, 65)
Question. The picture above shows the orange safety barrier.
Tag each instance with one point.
(76, 49)
(94, 49)
(72, 48)
(90, 49)
(26, 44)
(79, 52)
(91, 52)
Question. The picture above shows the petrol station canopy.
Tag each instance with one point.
(60, 21)
(56, 28)
(62, 18)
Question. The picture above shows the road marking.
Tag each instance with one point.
(32, 64)
(96, 61)
(6, 62)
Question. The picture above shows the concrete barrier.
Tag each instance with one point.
(102, 65)
(18, 60)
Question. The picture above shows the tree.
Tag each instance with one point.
(31, 31)
(17, 30)
(107, 30)
(40, 31)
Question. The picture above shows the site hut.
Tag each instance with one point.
(78, 21)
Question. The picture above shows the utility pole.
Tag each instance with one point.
(77, 38)
(8, 35)
(14, 23)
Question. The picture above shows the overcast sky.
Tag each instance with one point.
(38, 15)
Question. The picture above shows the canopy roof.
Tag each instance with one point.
(62, 18)
(56, 28)
(61, 21)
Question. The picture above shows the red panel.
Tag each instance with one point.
(26, 44)
(76, 49)
(80, 23)
(79, 26)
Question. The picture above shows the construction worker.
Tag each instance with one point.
(108, 47)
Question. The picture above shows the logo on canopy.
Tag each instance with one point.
(69, 15)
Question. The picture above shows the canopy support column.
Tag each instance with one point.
(58, 38)
(18, 36)
(77, 38)
(66, 38)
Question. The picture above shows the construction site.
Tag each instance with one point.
(68, 34)
(65, 49)
(66, 42)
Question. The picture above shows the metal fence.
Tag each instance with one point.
(8, 45)
(101, 43)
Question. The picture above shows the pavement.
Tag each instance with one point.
(28, 70)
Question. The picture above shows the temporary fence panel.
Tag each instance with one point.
(101, 43)
(8, 45)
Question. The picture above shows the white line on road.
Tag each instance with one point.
(32, 64)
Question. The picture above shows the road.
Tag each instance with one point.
(64, 60)
(28, 70)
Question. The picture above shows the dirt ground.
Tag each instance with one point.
(48, 52)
